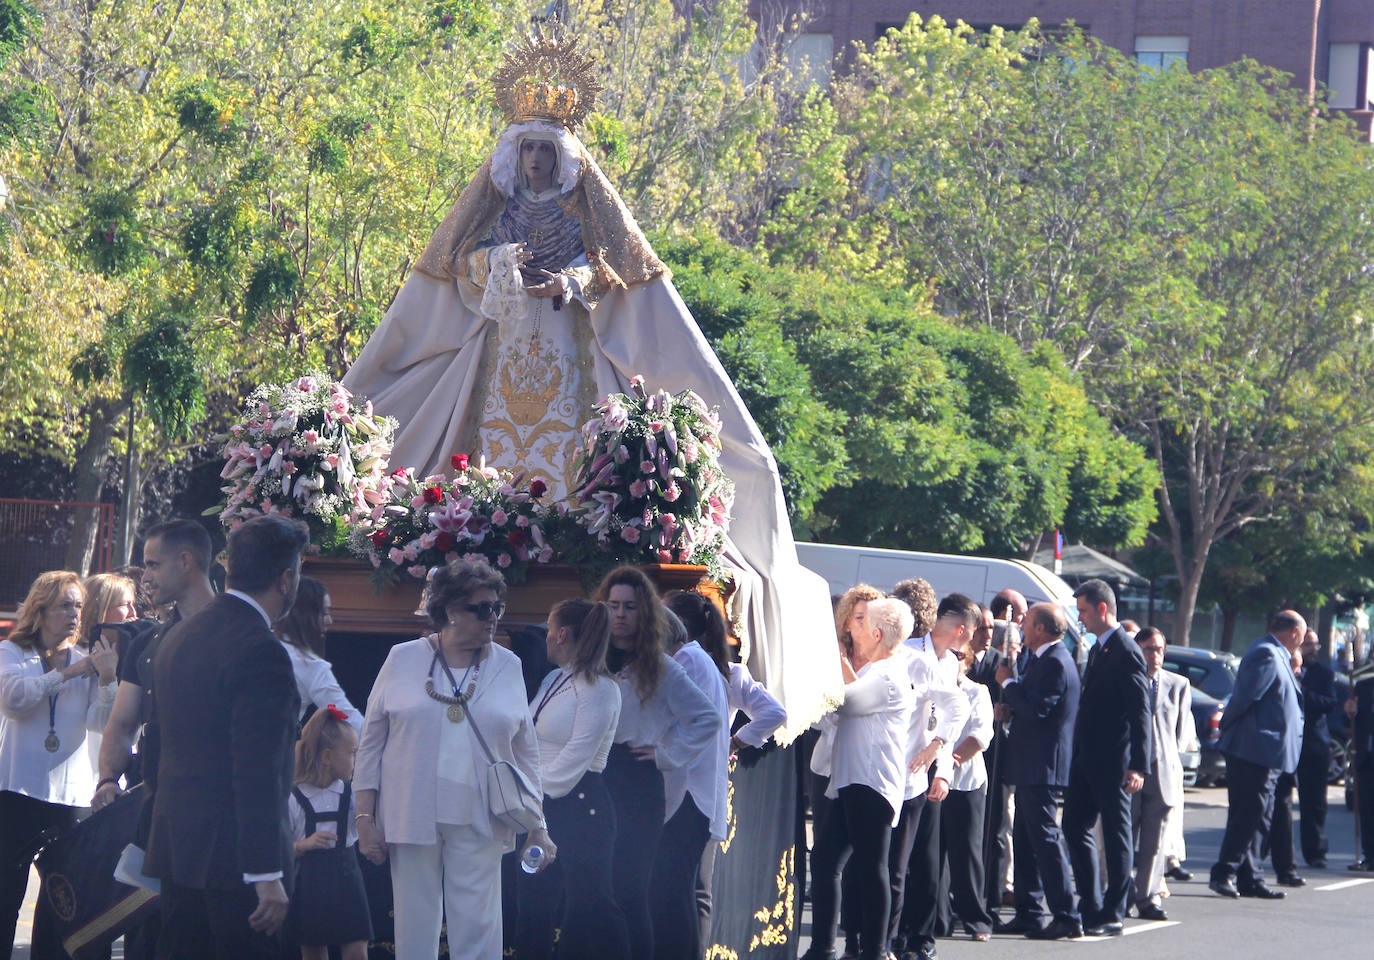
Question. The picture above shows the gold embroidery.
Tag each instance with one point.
(779, 920)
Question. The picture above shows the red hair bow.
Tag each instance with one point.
(336, 714)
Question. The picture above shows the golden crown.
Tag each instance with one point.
(545, 78)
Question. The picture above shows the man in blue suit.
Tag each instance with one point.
(1043, 705)
(1113, 752)
(1261, 736)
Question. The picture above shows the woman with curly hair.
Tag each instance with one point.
(665, 721)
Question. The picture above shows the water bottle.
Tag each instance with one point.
(533, 858)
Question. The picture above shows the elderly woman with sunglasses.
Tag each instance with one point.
(421, 775)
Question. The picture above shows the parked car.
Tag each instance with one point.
(1213, 677)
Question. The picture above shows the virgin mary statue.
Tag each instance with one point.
(537, 296)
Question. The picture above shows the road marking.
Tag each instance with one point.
(1153, 925)
(1345, 883)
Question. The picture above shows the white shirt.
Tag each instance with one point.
(974, 774)
(316, 684)
(324, 800)
(678, 721)
(82, 704)
(940, 711)
(575, 727)
(747, 695)
(865, 740)
(706, 776)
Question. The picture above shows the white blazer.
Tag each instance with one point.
(398, 751)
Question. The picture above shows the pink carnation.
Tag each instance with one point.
(638, 489)
(647, 466)
(629, 534)
(417, 571)
(503, 560)
(499, 518)
(396, 556)
(546, 555)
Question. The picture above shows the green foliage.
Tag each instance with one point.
(113, 238)
(24, 112)
(274, 283)
(325, 152)
(204, 111)
(159, 365)
(215, 235)
(18, 18)
(467, 18)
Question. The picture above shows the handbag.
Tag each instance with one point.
(511, 799)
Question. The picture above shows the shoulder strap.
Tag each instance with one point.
(341, 824)
(311, 823)
(472, 722)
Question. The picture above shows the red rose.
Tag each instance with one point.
(517, 537)
(538, 488)
(434, 494)
(459, 461)
(379, 538)
(444, 541)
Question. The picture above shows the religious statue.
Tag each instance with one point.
(538, 295)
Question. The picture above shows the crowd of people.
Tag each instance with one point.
(263, 785)
(973, 767)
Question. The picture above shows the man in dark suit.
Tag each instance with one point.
(1261, 735)
(1043, 705)
(227, 707)
(1360, 709)
(996, 838)
(1112, 753)
(1319, 698)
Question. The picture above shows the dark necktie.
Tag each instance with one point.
(1154, 694)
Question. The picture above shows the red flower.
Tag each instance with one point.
(336, 714)
(379, 538)
(517, 537)
(459, 461)
(434, 494)
(399, 472)
(444, 541)
(538, 488)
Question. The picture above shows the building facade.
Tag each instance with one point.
(1323, 43)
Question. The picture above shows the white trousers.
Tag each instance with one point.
(459, 878)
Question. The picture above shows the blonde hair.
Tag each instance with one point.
(46, 590)
(861, 593)
(325, 730)
(102, 592)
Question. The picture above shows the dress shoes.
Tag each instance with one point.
(1146, 910)
(1292, 880)
(1318, 864)
(1261, 891)
(1057, 929)
(1111, 928)
(1017, 924)
(1362, 866)
(1179, 874)
(1225, 888)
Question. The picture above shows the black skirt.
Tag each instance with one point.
(329, 905)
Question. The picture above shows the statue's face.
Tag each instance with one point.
(538, 158)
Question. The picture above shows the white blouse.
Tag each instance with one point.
(316, 684)
(65, 776)
(706, 777)
(575, 727)
(401, 748)
(323, 800)
(678, 721)
(940, 710)
(865, 740)
(974, 774)
(747, 695)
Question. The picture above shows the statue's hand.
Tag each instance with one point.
(522, 254)
(551, 287)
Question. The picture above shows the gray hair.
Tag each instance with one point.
(677, 630)
(894, 620)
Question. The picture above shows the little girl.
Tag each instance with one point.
(330, 905)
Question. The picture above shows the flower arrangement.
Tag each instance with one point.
(307, 449)
(649, 484)
(427, 521)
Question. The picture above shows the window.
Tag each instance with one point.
(1347, 75)
(1160, 53)
(811, 59)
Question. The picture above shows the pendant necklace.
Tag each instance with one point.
(52, 743)
(457, 703)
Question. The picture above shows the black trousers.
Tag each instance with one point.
(1041, 864)
(201, 924)
(673, 888)
(919, 910)
(1092, 795)
(1250, 810)
(1278, 844)
(574, 894)
(1364, 807)
(857, 830)
(23, 820)
(1314, 763)
(636, 789)
(705, 877)
(898, 859)
(961, 822)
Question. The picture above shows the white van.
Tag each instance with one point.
(977, 577)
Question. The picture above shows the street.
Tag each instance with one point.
(1327, 918)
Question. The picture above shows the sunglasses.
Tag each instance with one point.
(959, 654)
(486, 610)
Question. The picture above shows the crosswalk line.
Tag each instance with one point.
(1343, 884)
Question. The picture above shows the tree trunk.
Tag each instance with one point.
(133, 496)
(90, 479)
(1188, 584)
(1229, 616)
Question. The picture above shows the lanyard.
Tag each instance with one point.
(549, 694)
(439, 656)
